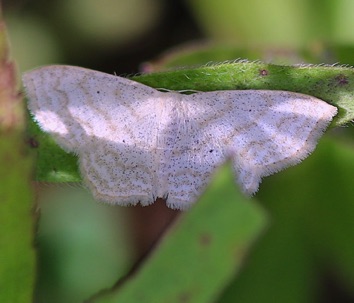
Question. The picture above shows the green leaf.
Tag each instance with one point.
(201, 252)
(333, 84)
(53, 163)
(311, 233)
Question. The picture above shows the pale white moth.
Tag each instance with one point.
(135, 143)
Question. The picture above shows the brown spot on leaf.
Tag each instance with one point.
(205, 239)
(33, 143)
(263, 72)
(185, 297)
(341, 80)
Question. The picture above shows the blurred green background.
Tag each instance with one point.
(307, 254)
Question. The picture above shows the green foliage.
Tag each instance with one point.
(309, 235)
(201, 253)
(333, 84)
(311, 207)
(53, 163)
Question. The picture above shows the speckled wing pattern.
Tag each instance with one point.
(135, 143)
